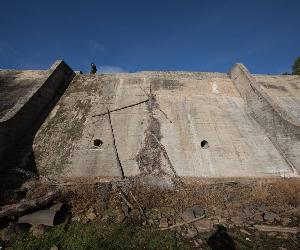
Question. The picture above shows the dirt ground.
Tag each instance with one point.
(237, 204)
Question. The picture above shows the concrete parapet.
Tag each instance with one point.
(281, 127)
(20, 123)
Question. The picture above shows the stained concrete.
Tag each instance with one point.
(249, 123)
(65, 143)
(16, 88)
(26, 98)
(189, 107)
(211, 109)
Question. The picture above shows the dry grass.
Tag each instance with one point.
(238, 194)
(225, 194)
(230, 197)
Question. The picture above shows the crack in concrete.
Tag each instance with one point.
(115, 146)
(128, 106)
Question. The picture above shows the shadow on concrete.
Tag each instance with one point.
(20, 164)
(221, 240)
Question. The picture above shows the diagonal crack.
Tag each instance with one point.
(128, 106)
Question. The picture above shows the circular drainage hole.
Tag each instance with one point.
(98, 142)
(204, 144)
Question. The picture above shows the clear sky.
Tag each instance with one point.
(192, 35)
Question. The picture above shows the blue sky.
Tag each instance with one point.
(192, 35)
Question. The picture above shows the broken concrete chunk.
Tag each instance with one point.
(204, 225)
(42, 217)
(192, 213)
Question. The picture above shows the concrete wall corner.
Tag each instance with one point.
(16, 133)
(266, 112)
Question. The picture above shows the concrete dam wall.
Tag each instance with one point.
(200, 124)
(274, 102)
(26, 98)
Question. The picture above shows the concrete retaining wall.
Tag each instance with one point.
(282, 129)
(19, 126)
(188, 109)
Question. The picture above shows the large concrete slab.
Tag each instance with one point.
(211, 109)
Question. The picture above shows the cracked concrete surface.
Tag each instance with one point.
(251, 124)
(238, 146)
(79, 156)
(191, 107)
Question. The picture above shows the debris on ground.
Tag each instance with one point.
(194, 211)
(42, 217)
(24, 206)
(204, 225)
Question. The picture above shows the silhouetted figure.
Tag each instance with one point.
(221, 240)
(93, 69)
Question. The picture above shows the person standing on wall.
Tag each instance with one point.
(93, 69)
